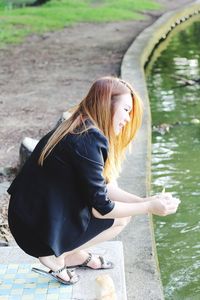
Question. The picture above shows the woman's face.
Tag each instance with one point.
(123, 106)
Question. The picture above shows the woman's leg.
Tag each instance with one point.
(108, 234)
(78, 256)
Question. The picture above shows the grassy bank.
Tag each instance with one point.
(16, 23)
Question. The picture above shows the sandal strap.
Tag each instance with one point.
(84, 264)
(102, 260)
(60, 270)
(105, 264)
(69, 273)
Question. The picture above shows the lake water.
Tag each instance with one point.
(173, 78)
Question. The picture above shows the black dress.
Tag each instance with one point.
(50, 206)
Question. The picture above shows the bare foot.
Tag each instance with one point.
(79, 257)
(55, 263)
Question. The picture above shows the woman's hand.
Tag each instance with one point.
(163, 204)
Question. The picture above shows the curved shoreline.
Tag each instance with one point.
(141, 262)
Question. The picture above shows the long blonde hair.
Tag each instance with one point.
(98, 106)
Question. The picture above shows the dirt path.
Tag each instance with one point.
(45, 75)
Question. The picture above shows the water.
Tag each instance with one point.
(175, 106)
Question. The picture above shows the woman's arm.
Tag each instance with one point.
(117, 194)
(122, 210)
(161, 205)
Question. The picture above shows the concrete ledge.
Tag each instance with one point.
(141, 264)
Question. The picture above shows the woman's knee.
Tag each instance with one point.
(122, 221)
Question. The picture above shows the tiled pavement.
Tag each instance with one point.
(18, 282)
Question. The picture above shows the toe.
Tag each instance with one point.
(74, 279)
(95, 262)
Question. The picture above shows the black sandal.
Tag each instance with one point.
(104, 264)
(53, 274)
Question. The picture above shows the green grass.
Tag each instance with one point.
(17, 23)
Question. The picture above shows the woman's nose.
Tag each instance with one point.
(127, 119)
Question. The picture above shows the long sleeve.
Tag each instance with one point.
(89, 151)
